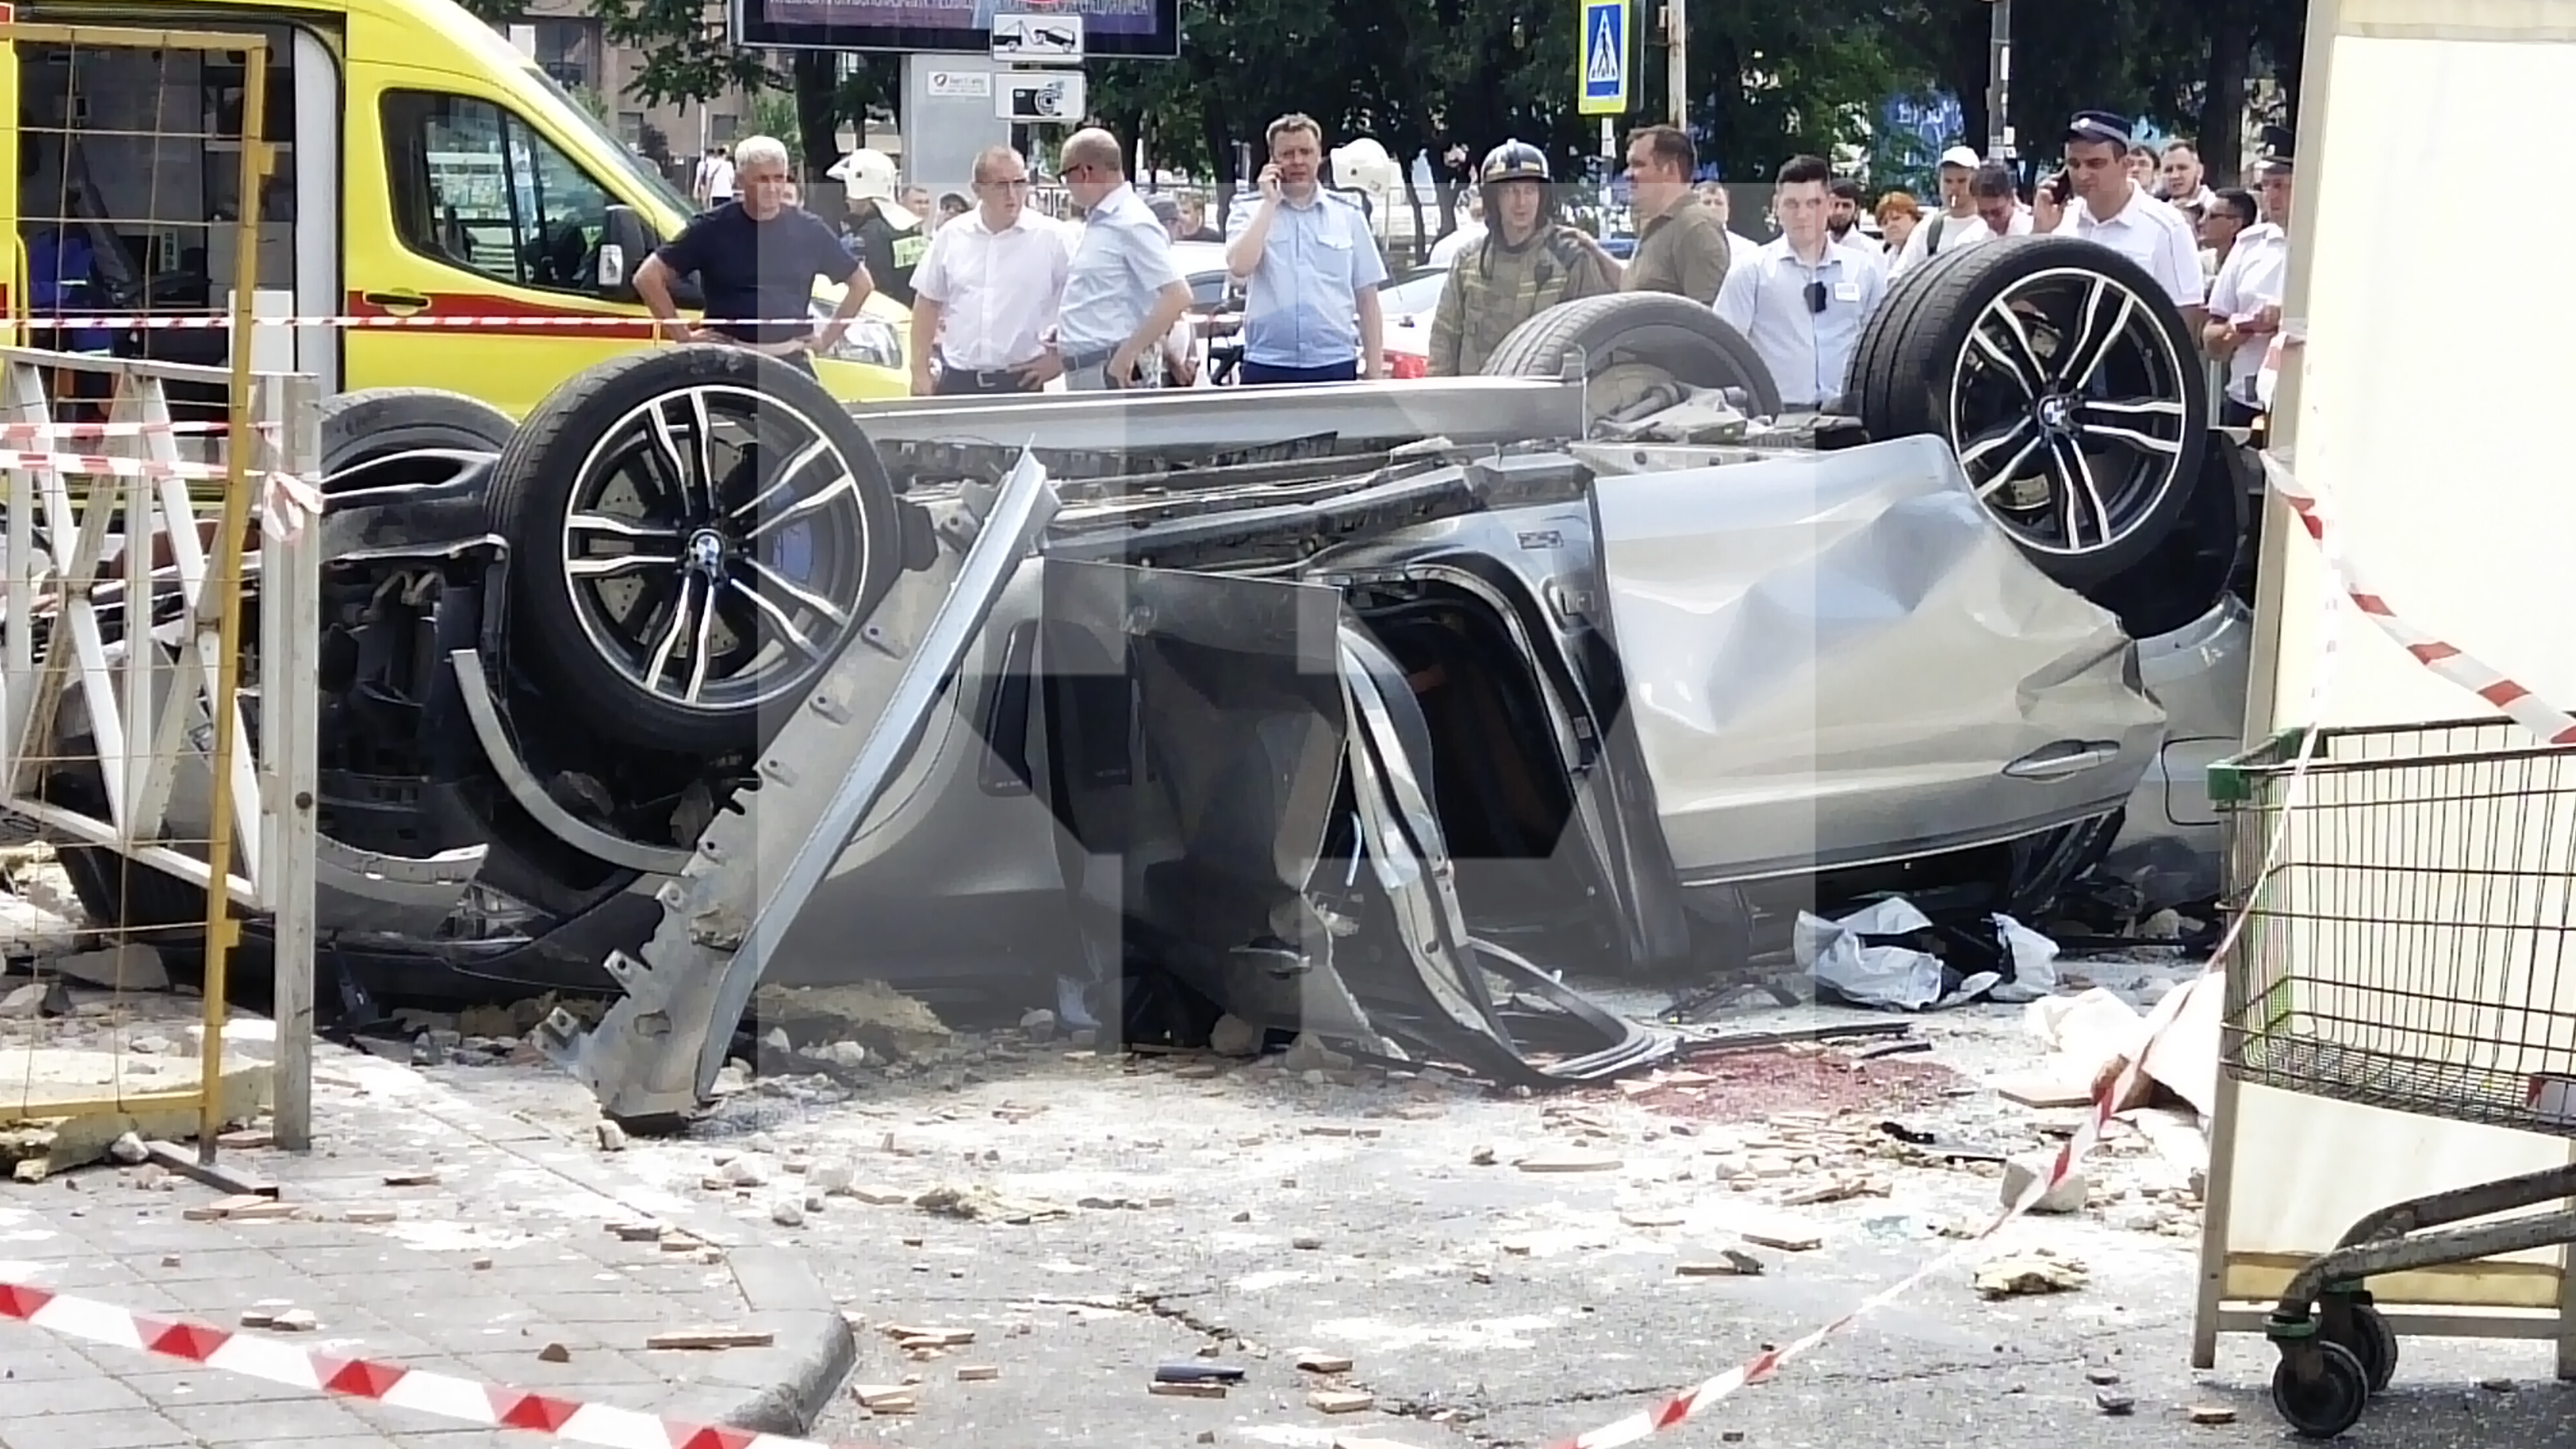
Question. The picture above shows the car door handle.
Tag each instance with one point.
(2057, 760)
(395, 301)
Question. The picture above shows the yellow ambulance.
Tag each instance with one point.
(424, 169)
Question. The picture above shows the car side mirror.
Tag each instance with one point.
(624, 244)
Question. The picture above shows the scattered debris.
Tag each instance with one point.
(1733, 1264)
(263, 1314)
(1199, 1390)
(1232, 1036)
(885, 1398)
(712, 1338)
(1785, 1238)
(2211, 1414)
(977, 1373)
(976, 1203)
(2114, 1403)
(869, 1014)
(1338, 1401)
(2023, 1173)
(127, 966)
(419, 1177)
(2029, 1274)
(1569, 1160)
(1323, 1363)
(612, 1138)
(554, 1353)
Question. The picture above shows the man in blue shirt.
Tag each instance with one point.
(1310, 313)
(1801, 299)
(756, 259)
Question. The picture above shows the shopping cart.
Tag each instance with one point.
(2402, 948)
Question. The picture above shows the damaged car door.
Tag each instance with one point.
(1241, 775)
(1836, 659)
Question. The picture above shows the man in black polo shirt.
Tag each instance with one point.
(756, 259)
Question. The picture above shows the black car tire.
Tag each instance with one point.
(1911, 375)
(1674, 335)
(375, 423)
(600, 428)
(2197, 564)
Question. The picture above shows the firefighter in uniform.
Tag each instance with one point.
(888, 237)
(1527, 262)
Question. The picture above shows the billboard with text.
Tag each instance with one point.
(1112, 29)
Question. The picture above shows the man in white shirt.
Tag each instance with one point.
(1943, 227)
(2181, 179)
(2245, 300)
(1714, 195)
(1467, 233)
(715, 178)
(2110, 207)
(1991, 195)
(1801, 299)
(1123, 291)
(988, 289)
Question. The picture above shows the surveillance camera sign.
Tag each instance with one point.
(1039, 97)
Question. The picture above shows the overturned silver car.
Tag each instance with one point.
(1369, 710)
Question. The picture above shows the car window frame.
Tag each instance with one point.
(404, 114)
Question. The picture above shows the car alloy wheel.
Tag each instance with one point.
(715, 546)
(2067, 401)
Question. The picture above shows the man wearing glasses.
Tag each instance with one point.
(988, 290)
(1123, 291)
(1801, 298)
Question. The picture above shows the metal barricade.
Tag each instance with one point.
(2408, 900)
(165, 752)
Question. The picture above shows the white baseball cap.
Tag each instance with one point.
(1961, 157)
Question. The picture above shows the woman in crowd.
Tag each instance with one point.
(1898, 214)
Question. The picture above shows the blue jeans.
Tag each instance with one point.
(1263, 374)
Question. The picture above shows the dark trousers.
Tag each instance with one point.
(2233, 413)
(958, 382)
(1262, 374)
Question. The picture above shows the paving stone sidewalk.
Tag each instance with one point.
(500, 1243)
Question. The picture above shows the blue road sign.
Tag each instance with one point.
(1605, 58)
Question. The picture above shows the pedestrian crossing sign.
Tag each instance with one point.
(1605, 58)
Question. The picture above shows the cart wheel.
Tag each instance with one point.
(2325, 1406)
(2373, 1343)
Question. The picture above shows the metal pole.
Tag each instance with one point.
(1999, 134)
(1609, 169)
(1677, 60)
(224, 582)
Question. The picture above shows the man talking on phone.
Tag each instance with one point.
(1311, 268)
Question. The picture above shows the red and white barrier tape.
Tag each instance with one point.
(92, 432)
(441, 1395)
(287, 503)
(433, 320)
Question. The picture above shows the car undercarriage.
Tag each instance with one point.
(1374, 711)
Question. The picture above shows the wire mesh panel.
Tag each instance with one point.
(133, 201)
(144, 608)
(2409, 905)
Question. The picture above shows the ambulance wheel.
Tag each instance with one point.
(2067, 383)
(382, 436)
(698, 530)
(1629, 341)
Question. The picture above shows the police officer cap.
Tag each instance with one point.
(2278, 143)
(2099, 126)
(1513, 161)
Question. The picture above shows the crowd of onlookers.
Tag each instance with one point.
(1006, 298)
